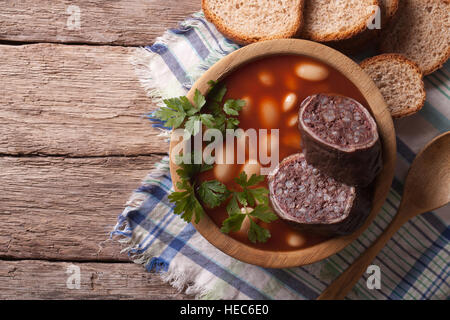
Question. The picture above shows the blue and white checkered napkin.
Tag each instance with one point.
(414, 264)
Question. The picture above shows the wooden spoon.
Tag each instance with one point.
(427, 187)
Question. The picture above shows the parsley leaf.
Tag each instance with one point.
(207, 120)
(253, 197)
(199, 100)
(257, 233)
(261, 195)
(241, 179)
(232, 206)
(188, 171)
(264, 213)
(254, 180)
(193, 125)
(232, 107)
(213, 193)
(233, 223)
(216, 92)
(173, 115)
(180, 110)
(242, 197)
(223, 116)
(186, 204)
(232, 123)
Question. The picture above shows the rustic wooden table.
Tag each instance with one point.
(73, 144)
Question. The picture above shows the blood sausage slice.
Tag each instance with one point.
(340, 138)
(309, 200)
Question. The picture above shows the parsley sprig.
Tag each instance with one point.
(249, 196)
(188, 201)
(180, 110)
(225, 116)
(212, 193)
(250, 201)
(207, 111)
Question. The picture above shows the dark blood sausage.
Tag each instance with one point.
(311, 201)
(340, 138)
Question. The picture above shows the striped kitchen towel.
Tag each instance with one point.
(414, 264)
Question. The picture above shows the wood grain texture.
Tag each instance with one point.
(33, 279)
(57, 208)
(73, 100)
(118, 22)
(73, 144)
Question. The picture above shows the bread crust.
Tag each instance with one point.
(439, 64)
(244, 39)
(359, 42)
(384, 46)
(340, 35)
(401, 58)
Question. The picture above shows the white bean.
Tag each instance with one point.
(223, 171)
(266, 78)
(292, 120)
(294, 239)
(289, 101)
(252, 167)
(269, 114)
(311, 71)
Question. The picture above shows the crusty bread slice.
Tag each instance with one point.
(400, 82)
(388, 9)
(421, 32)
(254, 20)
(327, 20)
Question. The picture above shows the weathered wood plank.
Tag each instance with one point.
(119, 22)
(33, 279)
(58, 208)
(73, 100)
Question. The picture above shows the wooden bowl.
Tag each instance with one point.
(333, 58)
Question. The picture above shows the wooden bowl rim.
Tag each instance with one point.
(333, 58)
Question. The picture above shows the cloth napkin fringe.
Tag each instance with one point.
(191, 281)
(143, 68)
(157, 264)
(123, 230)
(141, 62)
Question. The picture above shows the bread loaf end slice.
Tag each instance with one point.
(400, 82)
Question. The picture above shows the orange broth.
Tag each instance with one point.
(245, 82)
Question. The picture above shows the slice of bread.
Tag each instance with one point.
(388, 9)
(327, 20)
(421, 32)
(400, 82)
(250, 21)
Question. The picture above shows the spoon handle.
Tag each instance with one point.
(339, 288)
